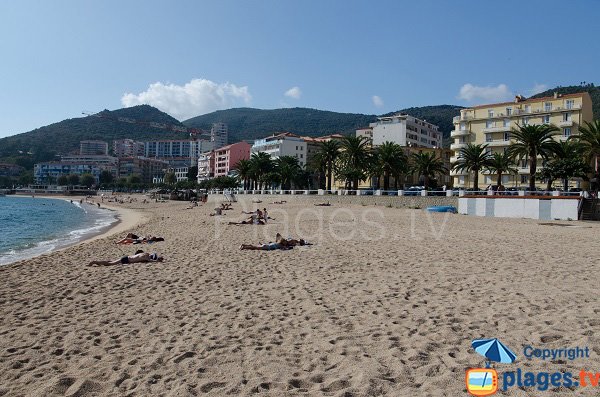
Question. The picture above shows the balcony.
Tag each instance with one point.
(459, 133)
(568, 123)
(496, 129)
(457, 173)
(456, 119)
(525, 170)
(457, 146)
(497, 142)
(453, 159)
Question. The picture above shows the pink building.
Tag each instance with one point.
(226, 158)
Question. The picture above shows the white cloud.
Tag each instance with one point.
(537, 88)
(199, 96)
(294, 92)
(470, 92)
(377, 101)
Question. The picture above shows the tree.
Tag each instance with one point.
(26, 178)
(427, 164)
(354, 160)
(135, 179)
(243, 170)
(327, 155)
(589, 138)
(568, 162)
(392, 161)
(532, 141)
(261, 164)
(73, 179)
(170, 178)
(192, 174)
(473, 158)
(106, 177)
(500, 163)
(63, 180)
(287, 169)
(87, 180)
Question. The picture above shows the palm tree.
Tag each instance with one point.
(354, 159)
(327, 156)
(427, 164)
(501, 163)
(287, 168)
(568, 162)
(589, 138)
(261, 165)
(391, 161)
(243, 170)
(473, 158)
(532, 141)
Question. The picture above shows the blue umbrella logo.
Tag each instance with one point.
(494, 350)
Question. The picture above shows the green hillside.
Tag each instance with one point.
(42, 144)
(572, 89)
(248, 123)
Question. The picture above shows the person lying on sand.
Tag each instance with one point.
(323, 204)
(263, 247)
(253, 220)
(290, 242)
(226, 206)
(139, 257)
(218, 211)
(137, 240)
(279, 202)
(257, 201)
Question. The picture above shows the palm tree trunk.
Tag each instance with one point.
(499, 181)
(476, 180)
(329, 173)
(386, 180)
(549, 184)
(532, 169)
(566, 184)
(426, 181)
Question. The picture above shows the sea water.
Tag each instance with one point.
(32, 226)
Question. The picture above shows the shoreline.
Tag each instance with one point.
(124, 219)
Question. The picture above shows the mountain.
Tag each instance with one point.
(42, 144)
(249, 124)
(572, 89)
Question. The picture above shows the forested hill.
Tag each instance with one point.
(249, 123)
(42, 144)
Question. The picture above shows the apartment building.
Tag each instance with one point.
(128, 148)
(405, 130)
(91, 148)
(178, 153)
(366, 132)
(206, 166)
(77, 165)
(147, 169)
(492, 125)
(226, 157)
(219, 135)
(282, 144)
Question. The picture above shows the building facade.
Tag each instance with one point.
(49, 172)
(282, 144)
(10, 170)
(492, 125)
(147, 169)
(128, 148)
(206, 166)
(366, 132)
(178, 153)
(93, 148)
(405, 130)
(226, 157)
(219, 135)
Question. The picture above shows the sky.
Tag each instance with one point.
(188, 58)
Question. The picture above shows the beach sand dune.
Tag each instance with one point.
(385, 303)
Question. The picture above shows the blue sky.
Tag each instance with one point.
(192, 57)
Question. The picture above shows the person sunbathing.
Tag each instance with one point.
(218, 211)
(262, 247)
(279, 202)
(253, 220)
(134, 239)
(290, 242)
(139, 257)
(323, 204)
(226, 206)
(257, 201)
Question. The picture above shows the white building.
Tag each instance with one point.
(218, 135)
(128, 148)
(283, 144)
(177, 152)
(406, 130)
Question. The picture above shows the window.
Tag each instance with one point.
(461, 180)
(463, 126)
(527, 108)
(546, 119)
(548, 106)
(567, 132)
(567, 116)
(488, 138)
(506, 122)
(490, 113)
(525, 121)
(507, 136)
(570, 103)
(489, 124)
(508, 111)
(524, 178)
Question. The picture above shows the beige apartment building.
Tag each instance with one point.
(492, 125)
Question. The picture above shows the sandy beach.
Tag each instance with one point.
(385, 303)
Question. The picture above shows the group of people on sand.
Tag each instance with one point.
(280, 243)
(132, 238)
(257, 217)
(139, 257)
